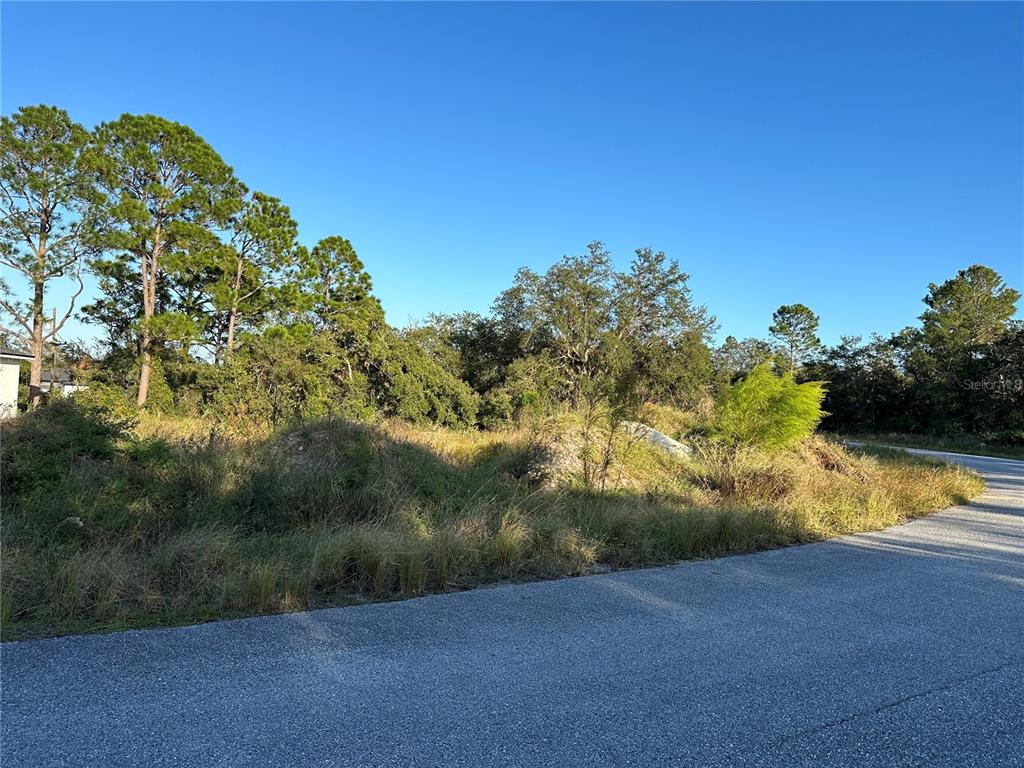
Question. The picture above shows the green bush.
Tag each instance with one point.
(534, 386)
(408, 383)
(113, 401)
(281, 376)
(40, 447)
(291, 374)
(495, 409)
(768, 411)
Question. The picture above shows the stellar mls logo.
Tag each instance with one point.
(1000, 385)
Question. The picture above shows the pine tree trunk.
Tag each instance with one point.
(230, 344)
(233, 316)
(147, 366)
(35, 378)
(149, 274)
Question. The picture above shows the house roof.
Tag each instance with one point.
(15, 354)
(60, 375)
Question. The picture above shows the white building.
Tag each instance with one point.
(59, 379)
(10, 365)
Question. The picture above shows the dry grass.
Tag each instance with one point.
(174, 523)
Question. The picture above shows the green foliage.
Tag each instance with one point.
(249, 277)
(795, 327)
(108, 399)
(534, 386)
(281, 376)
(406, 382)
(46, 194)
(476, 348)
(604, 331)
(161, 183)
(967, 311)
(662, 333)
(337, 289)
(161, 397)
(736, 358)
(866, 383)
(768, 411)
(959, 374)
(162, 190)
(495, 409)
(118, 306)
(292, 373)
(46, 225)
(568, 311)
(39, 447)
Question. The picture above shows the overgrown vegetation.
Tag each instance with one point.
(256, 437)
(209, 305)
(107, 525)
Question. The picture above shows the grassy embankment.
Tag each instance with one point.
(171, 523)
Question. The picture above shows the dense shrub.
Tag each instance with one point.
(291, 374)
(109, 399)
(534, 386)
(495, 409)
(280, 376)
(47, 457)
(768, 411)
(406, 382)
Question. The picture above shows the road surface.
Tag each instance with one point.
(903, 647)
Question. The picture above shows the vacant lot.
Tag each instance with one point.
(108, 525)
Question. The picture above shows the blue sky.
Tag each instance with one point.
(840, 155)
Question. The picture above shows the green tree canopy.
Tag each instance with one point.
(735, 358)
(968, 310)
(46, 228)
(663, 336)
(336, 286)
(163, 189)
(250, 271)
(596, 324)
(795, 327)
(568, 310)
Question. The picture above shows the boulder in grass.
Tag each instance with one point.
(659, 440)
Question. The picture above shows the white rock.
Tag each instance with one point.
(658, 439)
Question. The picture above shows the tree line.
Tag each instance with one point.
(960, 372)
(208, 302)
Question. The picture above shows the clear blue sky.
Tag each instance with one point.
(843, 156)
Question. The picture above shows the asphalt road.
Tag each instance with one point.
(903, 647)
